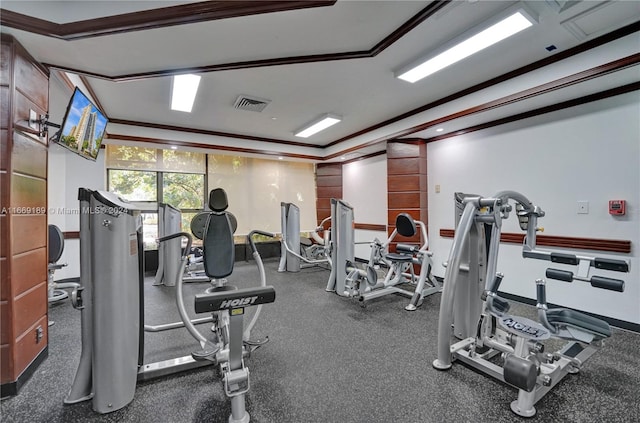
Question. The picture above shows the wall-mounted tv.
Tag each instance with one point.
(83, 126)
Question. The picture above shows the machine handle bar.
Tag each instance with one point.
(178, 235)
(258, 232)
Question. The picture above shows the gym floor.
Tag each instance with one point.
(328, 360)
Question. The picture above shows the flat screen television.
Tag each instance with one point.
(83, 126)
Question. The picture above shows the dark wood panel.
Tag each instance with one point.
(5, 281)
(29, 156)
(323, 204)
(71, 235)
(329, 192)
(329, 169)
(397, 150)
(27, 346)
(28, 308)
(4, 231)
(4, 148)
(612, 245)
(22, 107)
(6, 331)
(407, 166)
(329, 180)
(32, 230)
(28, 192)
(28, 270)
(5, 107)
(5, 62)
(322, 214)
(403, 200)
(404, 183)
(30, 80)
(6, 364)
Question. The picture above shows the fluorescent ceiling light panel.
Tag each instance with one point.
(185, 88)
(318, 125)
(495, 33)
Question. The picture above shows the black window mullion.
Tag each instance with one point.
(160, 187)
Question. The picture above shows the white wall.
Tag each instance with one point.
(66, 173)
(364, 186)
(586, 153)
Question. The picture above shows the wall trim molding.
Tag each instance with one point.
(610, 245)
(370, 227)
(153, 18)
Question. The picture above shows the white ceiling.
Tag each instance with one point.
(364, 91)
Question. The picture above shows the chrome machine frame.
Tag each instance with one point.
(290, 248)
(474, 324)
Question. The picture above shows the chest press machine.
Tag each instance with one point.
(474, 325)
(110, 255)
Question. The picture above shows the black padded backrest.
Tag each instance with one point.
(56, 243)
(218, 200)
(218, 246)
(405, 225)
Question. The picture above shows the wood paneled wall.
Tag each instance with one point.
(24, 86)
(328, 186)
(406, 184)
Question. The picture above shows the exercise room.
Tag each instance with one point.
(320, 211)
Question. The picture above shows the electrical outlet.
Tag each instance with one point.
(583, 207)
(438, 189)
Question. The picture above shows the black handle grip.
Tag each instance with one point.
(561, 275)
(541, 294)
(611, 264)
(564, 258)
(178, 235)
(496, 283)
(607, 283)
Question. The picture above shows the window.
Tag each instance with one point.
(148, 176)
(134, 185)
(255, 187)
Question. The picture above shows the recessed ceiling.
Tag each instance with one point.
(335, 56)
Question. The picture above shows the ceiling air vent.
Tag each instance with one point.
(253, 104)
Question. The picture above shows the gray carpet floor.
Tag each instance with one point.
(328, 360)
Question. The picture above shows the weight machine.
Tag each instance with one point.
(474, 325)
(365, 284)
(293, 249)
(110, 259)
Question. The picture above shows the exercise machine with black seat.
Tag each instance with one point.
(298, 252)
(365, 285)
(111, 259)
(475, 326)
(56, 290)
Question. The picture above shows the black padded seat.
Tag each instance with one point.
(56, 244)
(406, 227)
(399, 257)
(564, 316)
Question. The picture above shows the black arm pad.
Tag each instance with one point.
(564, 258)
(560, 275)
(611, 264)
(407, 248)
(607, 283)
